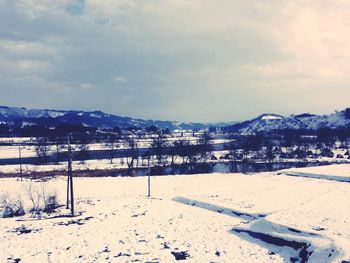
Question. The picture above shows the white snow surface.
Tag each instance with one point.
(195, 214)
(313, 122)
(271, 117)
(338, 172)
(62, 167)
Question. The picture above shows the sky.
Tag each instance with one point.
(186, 60)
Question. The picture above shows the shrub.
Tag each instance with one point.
(12, 208)
(41, 201)
(327, 152)
(35, 198)
(299, 153)
(51, 203)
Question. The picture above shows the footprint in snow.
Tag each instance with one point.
(106, 250)
(165, 245)
(122, 255)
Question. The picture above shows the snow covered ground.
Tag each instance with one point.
(203, 218)
(337, 172)
(17, 139)
(12, 151)
(118, 163)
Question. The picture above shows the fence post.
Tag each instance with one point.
(70, 191)
(20, 162)
(149, 177)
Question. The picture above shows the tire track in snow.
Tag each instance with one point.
(292, 244)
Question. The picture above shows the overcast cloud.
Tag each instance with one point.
(188, 60)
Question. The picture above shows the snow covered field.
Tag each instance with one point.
(203, 218)
(12, 151)
(338, 172)
(118, 163)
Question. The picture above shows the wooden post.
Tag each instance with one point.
(20, 162)
(149, 177)
(68, 172)
(70, 179)
(71, 189)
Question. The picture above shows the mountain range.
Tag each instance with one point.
(21, 117)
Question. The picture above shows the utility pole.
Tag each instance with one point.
(70, 192)
(20, 162)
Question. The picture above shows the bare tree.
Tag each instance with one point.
(42, 149)
(82, 148)
(205, 147)
(131, 144)
(112, 144)
(180, 148)
(82, 151)
(20, 162)
(35, 197)
(59, 143)
(174, 152)
(233, 156)
(158, 145)
(193, 155)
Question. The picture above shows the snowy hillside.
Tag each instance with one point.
(50, 118)
(270, 122)
(12, 113)
(21, 117)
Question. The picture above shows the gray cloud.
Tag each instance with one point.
(184, 60)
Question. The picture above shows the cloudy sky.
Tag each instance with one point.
(188, 60)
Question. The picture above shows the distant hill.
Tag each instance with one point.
(305, 121)
(21, 117)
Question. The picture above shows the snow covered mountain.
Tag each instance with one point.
(271, 122)
(21, 117)
(52, 118)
